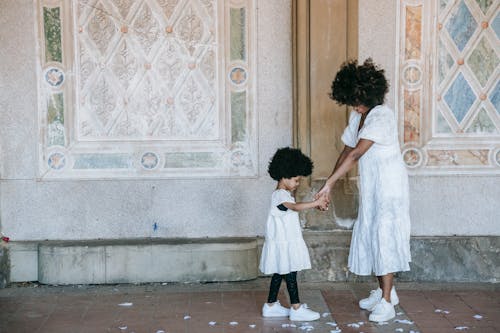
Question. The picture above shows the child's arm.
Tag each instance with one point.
(299, 206)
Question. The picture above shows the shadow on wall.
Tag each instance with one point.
(4, 264)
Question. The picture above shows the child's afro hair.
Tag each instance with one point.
(359, 84)
(289, 162)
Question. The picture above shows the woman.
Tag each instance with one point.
(380, 241)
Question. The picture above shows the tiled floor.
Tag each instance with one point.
(235, 307)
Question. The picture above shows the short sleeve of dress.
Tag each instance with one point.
(349, 137)
(379, 126)
(279, 197)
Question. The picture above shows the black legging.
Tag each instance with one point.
(291, 286)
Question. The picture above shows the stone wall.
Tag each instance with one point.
(4, 265)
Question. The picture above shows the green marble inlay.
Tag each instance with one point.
(238, 116)
(190, 160)
(442, 124)
(52, 28)
(482, 124)
(483, 61)
(55, 120)
(484, 4)
(237, 33)
(102, 161)
(445, 61)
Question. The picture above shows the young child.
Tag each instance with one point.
(284, 252)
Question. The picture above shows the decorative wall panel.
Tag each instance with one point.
(151, 88)
(449, 86)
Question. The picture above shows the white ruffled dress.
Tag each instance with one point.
(380, 241)
(284, 249)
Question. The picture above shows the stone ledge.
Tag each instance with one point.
(147, 260)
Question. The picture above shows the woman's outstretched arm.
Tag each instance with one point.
(347, 159)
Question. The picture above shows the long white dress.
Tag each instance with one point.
(284, 249)
(380, 241)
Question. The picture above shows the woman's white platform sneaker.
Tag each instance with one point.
(303, 314)
(375, 297)
(383, 311)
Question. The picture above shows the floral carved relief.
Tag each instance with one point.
(148, 73)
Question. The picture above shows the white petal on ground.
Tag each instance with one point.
(325, 314)
(123, 327)
(383, 323)
(252, 325)
(126, 304)
(461, 328)
(233, 323)
(438, 310)
(212, 323)
(399, 330)
(478, 317)
(338, 330)
(160, 331)
(400, 313)
(355, 325)
(187, 317)
(404, 321)
(331, 323)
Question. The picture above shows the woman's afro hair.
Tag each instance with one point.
(289, 162)
(359, 84)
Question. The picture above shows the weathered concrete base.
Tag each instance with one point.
(162, 260)
(4, 266)
(436, 259)
(439, 259)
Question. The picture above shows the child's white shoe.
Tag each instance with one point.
(303, 314)
(275, 310)
(383, 311)
(375, 297)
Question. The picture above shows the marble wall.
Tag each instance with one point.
(455, 191)
(34, 207)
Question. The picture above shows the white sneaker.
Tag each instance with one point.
(303, 314)
(375, 297)
(383, 311)
(275, 310)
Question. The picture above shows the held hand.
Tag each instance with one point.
(324, 191)
(322, 202)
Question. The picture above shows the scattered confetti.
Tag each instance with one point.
(306, 327)
(478, 317)
(212, 323)
(233, 323)
(403, 321)
(126, 304)
(187, 317)
(461, 328)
